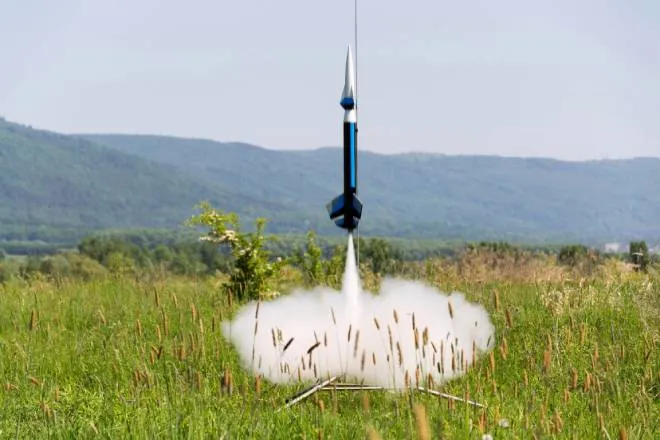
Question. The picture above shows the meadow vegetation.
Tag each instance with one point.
(116, 340)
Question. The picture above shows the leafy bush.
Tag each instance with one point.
(253, 271)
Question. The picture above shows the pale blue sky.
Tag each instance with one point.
(571, 79)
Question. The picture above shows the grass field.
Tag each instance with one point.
(120, 357)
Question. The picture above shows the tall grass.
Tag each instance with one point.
(576, 357)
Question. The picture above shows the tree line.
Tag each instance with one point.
(253, 257)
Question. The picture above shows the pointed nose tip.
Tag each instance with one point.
(348, 94)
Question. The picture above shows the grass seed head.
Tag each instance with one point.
(422, 423)
(33, 320)
(372, 434)
(587, 382)
(509, 319)
(547, 358)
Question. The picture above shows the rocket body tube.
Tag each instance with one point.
(346, 208)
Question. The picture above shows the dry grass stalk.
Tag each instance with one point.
(587, 382)
(193, 312)
(547, 359)
(594, 357)
(557, 422)
(166, 323)
(33, 320)
(372, 434)
(138, 327)
(451, 310)
(423, 430)
(623, 435)
(49, 413)
(313, 347)
(574, 379)
(228, 382)
(482, 422)
(509, 319)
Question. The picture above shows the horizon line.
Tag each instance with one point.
(311, 149)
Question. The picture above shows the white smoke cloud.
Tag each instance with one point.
(408, 327)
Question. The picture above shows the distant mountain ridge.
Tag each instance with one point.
(422, 194)
(76, 183)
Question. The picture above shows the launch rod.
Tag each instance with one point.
(357, 228)
(308, 392)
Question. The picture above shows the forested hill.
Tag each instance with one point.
(50, 183)
(54, 186)
(470, 197)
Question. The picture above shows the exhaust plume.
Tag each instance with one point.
(395, 339)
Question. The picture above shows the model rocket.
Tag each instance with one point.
(346, 208)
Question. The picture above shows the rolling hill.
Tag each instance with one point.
(469, 197)
(55, 185)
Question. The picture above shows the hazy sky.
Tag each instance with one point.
(571, 79)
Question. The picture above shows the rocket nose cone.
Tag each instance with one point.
(348, 94)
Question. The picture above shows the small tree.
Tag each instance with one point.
(639, 254)
(310, 261)
(572, 255)
(253, 274)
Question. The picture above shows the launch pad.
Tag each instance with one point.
(332, 384)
